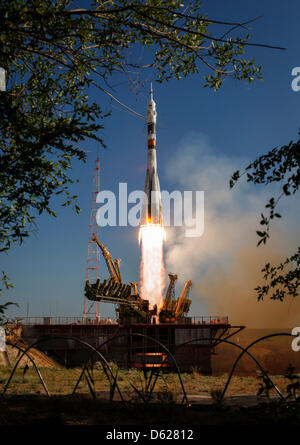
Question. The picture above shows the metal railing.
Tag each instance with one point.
(201, 320)
(209, 320)
(65, 320)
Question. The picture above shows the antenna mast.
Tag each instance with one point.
(92, 309)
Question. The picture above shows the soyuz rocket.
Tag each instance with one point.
(151, 206)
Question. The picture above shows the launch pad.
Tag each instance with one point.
(192, 341)
(151, 330)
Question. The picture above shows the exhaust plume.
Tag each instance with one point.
(224, 263)
(152, 272)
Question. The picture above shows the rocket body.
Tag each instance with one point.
(151, 206)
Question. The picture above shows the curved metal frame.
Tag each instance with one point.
(160, 344)
(245, 350)
(45, 340)
(110, 375)
(34, 364)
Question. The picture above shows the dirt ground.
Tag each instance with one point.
(40, 359)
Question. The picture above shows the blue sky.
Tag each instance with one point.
(240, 121)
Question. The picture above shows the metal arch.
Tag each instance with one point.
(244, 351)
(34, 364)
(61, 338)
(88, 379)
(104, 361)
(131, 334)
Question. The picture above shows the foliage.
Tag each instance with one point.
(288, 408)
(281, 282)
(278, 165)
(291, 388)
(217, 397)
(53, 55)
(3, 307)
(265, 384)
(294, 384)
(56, 57)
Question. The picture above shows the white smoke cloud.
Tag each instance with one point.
(224, 263)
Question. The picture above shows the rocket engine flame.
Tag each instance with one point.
(152, 272)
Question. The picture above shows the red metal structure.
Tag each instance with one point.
(125, 345)
(92, 309)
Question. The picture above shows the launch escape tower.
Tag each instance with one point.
(92, 308)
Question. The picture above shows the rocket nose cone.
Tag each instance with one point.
(151, 102)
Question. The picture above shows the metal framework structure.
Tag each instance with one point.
(131, 352)
(145, 394)
(90, 308)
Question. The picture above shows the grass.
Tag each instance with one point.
(62, 381)
(26, 404)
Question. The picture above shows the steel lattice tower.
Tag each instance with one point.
(92, 309)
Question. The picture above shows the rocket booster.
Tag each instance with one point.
(151, 206)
